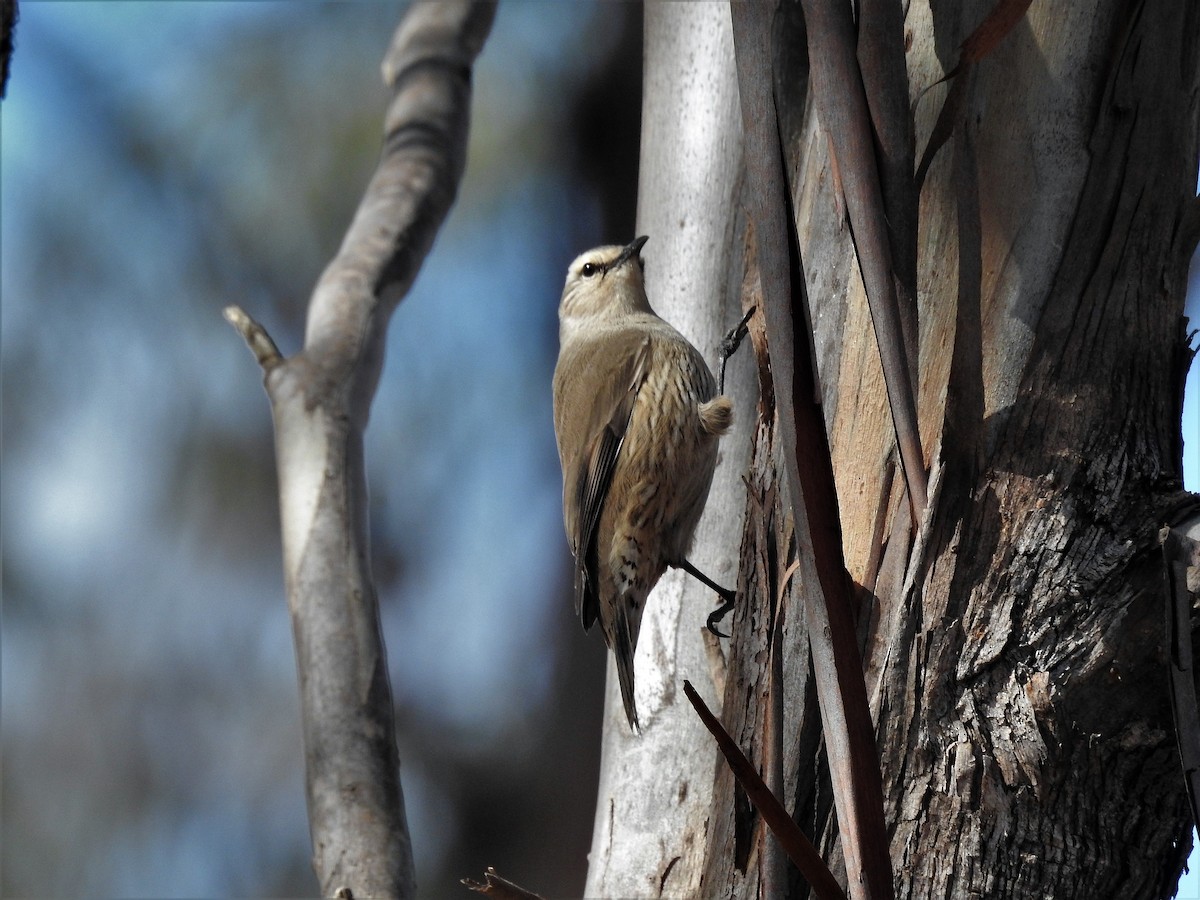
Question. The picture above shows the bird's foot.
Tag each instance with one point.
(730, 344)
(719, 613)
(728, 596)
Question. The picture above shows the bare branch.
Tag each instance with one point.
(415, 183)
(255, 336)
(319, 400)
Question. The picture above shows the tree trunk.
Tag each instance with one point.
(1014, 642)
(656, 786)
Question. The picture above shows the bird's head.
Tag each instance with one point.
(604, 283)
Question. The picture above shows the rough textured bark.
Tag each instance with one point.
(1015, 642)
(320, 399)
(1018, 667)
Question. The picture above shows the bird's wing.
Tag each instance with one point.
(593, 414)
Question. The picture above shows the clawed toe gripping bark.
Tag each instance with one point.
(729, 597)
(729, 346)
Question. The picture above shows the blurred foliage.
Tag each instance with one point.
(158, 161)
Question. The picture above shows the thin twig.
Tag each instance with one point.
(500, 888)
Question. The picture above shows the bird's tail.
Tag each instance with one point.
(623, 641)
(716, 415)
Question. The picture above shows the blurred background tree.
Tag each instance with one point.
(159, 161)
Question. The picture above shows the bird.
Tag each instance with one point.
(637, 419)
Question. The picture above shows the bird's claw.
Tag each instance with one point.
(730, 344)
(717, 615)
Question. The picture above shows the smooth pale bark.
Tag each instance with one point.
(320, 398)
(656, 787)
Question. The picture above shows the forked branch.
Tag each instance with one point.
(319, 401)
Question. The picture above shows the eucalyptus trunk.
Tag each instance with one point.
(1014, 637)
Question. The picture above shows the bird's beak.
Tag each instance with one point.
(630, 251)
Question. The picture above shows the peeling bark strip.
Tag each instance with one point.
(839, 94)
(845, 716)
(999, 22)
(797, 845)
(885, 83)
(319, 401)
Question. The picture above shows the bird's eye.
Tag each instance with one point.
(588, 270)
